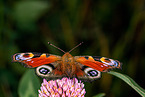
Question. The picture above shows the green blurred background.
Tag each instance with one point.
(111, 28)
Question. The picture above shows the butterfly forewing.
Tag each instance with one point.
(102, 64)
(32, 60)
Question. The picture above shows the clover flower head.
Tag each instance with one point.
(65, 87)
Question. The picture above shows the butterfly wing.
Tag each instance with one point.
(46, 65)
(32, 60)
(93, 66)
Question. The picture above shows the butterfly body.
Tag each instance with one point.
(52, 66)
(68, 65)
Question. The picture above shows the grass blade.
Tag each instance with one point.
(130, 82)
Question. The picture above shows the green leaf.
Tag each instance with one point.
(29, 85)
(100, 95)
(130, 82)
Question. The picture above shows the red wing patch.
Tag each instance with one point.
(93, 64)
(32, 60)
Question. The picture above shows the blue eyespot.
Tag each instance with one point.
(44, 71)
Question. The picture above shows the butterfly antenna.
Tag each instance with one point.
(56, 47)
(76, 46)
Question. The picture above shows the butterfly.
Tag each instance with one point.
(51, 66)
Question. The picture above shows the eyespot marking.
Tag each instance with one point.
(44, 70)
(24, 56)
(92, 73)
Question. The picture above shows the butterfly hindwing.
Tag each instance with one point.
(49, 71)
(87, 73)
(32, 60)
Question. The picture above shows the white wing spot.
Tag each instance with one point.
(29, 60)
(105, 65)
